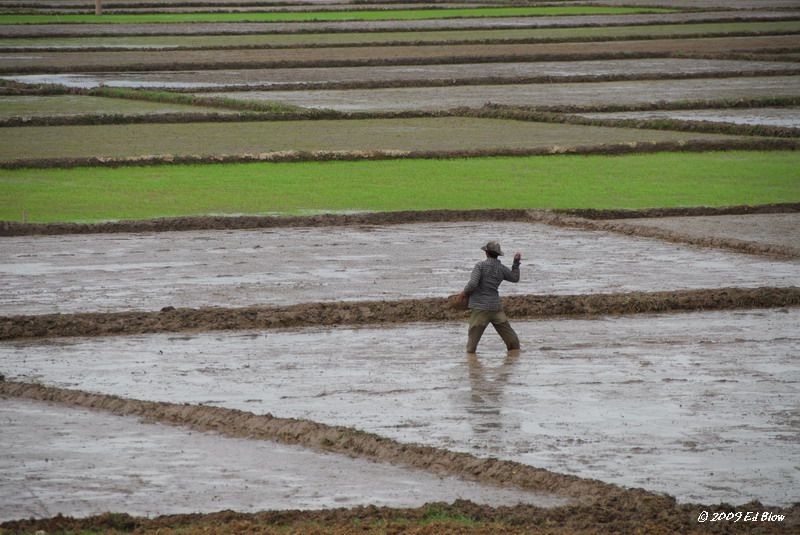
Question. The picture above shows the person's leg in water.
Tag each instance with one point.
(508, 334)
(478, 320)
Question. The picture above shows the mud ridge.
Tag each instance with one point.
(645, 147)
(432, 309)
(630, 513)
(14, 228)
(318, 436)
(739, 246)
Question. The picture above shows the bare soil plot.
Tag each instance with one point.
(75, 273)
(63, 105)
(319, 57)
(79, 462)
(51, 30)
(421, 134)
(771, 229)
(318, 39)
(446, 74)
(783, 117)
(643, 401)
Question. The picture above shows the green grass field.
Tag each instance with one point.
(391, 14)
(633, 181)
(610, 32)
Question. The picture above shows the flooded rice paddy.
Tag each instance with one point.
(108, 272)
(79, 462)
(783, 117)
(556, 94)
(699, 405)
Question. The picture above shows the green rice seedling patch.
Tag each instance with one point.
(563, 181)
(391, 14)
(237, 138)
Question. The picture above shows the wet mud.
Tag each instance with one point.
(80, 462)
(639, 401)
(247, 268)
(356, 313)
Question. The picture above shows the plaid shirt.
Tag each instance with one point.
(484, 281)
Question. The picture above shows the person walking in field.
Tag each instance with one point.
(484, 299)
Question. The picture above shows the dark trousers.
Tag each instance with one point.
(480, 319)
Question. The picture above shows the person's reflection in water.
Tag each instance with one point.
(486, 396)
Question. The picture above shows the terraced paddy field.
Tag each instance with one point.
(638, 401)
(114, 272)
(782, 117)
(99, 194)
(370, 38)
(153, 464)
(280, 320)
(594, 94)
(319, 57)
(415, 75)
(383, 14)
(164, 28)
(447, 134)
(66, 105)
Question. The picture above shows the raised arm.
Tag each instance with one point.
(512, 275)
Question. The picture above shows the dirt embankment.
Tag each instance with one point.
(345, 440)
(599, 507)
(384, 312)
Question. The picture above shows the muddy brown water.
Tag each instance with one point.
(457, 72)
(77, 462)
(701, 405)
(148, 271)
(782, 117)
(11, 30)
(555, 94)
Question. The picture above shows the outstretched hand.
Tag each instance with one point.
(517, 257)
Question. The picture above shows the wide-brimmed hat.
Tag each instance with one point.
(492, 247)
